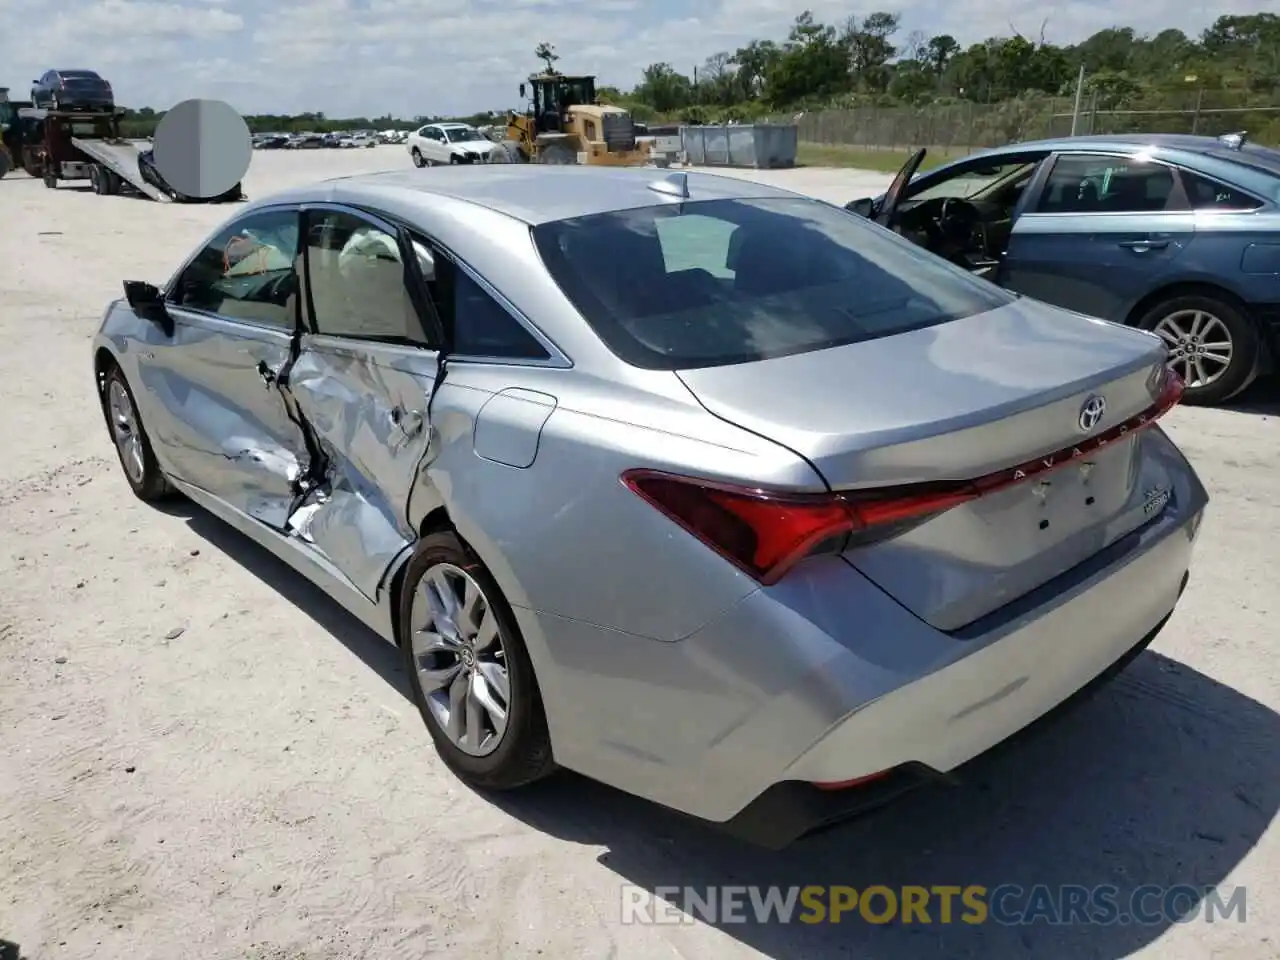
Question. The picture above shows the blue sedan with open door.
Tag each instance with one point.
(1179, 235)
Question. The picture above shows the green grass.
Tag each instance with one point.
(866, 158)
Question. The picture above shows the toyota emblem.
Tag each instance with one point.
(1091, 412)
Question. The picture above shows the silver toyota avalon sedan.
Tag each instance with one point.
(716, 493)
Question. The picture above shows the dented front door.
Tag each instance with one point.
(216, 398)
(361, 383)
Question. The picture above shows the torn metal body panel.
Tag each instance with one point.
(367, 409)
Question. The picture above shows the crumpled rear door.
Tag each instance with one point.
(366, 404)
(361, 383)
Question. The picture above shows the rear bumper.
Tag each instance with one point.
(823, 678)
(792, 809)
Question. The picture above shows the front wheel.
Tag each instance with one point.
(131, 442)
(1213, 346)
(470, 674)
(557, 153)
(418, 159)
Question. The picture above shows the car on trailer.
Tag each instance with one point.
(73, 90)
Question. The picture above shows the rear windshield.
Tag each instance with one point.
(714, 282)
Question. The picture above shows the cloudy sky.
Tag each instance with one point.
(411, 57)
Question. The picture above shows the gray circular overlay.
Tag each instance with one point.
(202, 148)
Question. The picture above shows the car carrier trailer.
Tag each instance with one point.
(68, 145)
(83, 145)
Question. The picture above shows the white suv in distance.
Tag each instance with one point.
(438, 143)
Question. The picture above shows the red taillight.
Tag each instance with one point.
(766, 534)
(855, 782)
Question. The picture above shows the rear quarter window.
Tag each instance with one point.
(716, 282)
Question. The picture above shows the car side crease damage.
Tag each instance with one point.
(361, 524)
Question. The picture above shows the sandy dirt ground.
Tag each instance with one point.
(201, 756)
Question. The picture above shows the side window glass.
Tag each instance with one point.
(482, 327)
(1106, 185)
(357, 280)
(1206, 194)
(248, 271)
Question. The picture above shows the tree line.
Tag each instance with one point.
(867, 61)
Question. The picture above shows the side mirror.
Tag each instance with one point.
(865, 207)
(522, 91)
(148, 303)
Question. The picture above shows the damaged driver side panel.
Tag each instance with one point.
(366, 409)
(360, 387)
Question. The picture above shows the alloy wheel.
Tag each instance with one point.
(124, 429)
(1200, 346)
(460, 659)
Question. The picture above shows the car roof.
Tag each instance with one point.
(1250, 165)
(1125, 141)
(532, 193)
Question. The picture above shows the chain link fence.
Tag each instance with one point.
(960, 127)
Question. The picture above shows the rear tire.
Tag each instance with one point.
(1201, 330)
(50, 181)
(96, 180)
(459, 667)
(133, 447)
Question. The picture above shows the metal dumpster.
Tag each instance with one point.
(763, 146)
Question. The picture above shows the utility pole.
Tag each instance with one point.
(1075, 111)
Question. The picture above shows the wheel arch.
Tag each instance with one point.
(1186, 288)
(436, 521)
(104, 361)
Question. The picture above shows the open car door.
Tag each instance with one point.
(892, 196)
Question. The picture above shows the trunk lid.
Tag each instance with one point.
(959, 401)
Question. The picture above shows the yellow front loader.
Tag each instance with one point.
(564, 123)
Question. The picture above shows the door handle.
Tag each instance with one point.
(1142, 246)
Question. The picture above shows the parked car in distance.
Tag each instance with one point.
(72, 90)
(1178, 235)
(690, 484)
(306, 141)
(270, 141)
(448, 143)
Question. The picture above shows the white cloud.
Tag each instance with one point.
(410, 57)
